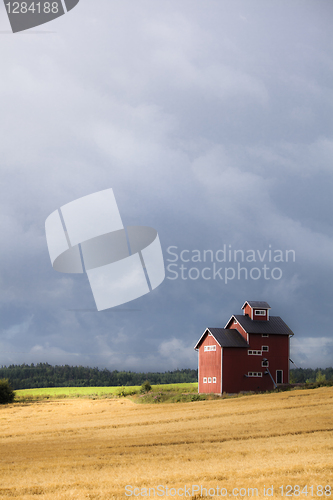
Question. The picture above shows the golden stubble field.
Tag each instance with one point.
(92, 449)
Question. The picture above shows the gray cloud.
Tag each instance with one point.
(212, 123)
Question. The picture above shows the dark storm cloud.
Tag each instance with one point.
(212, 123)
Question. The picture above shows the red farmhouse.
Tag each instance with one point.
(250, 354)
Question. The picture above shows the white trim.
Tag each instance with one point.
(199, 382)
(240, 325)
(204, 380)
(254, 374)
(260, 312)
(288, 374)
(254, 352)
(211, 347)
(232, 317)
(265, 335)
(214, 380)
(209, 380)
(221, 367)
(207, 330)
(195, 347)
(281, 376)
(265, 350)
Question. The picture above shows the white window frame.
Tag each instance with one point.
(205, 380)
(260, 312)
(254, 374)
(265, 335)
(208, 348)
(252, 352)
(214, 380)
(265, 364)
(281, 376)
(209, 380)
(265, 348)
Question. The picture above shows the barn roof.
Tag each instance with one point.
(275, 325)
(225, 338)
(256, 303)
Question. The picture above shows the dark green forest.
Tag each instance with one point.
(45, 375)
(302, 375)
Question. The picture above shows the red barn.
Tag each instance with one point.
(251, 353)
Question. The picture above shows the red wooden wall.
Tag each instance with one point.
(209, 366)
(248, 310)
(237, 363)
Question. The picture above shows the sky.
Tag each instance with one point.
(212, 123)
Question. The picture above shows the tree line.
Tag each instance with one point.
(309, 375)
(45, 375)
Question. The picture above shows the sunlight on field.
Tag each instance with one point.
(65, 392)
(92, 449)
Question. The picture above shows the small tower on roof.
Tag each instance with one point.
(256, 309)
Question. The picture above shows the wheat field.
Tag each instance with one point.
(94, 449)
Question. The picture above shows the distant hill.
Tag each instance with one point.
(45, 375)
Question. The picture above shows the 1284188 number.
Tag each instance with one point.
(33, 7)
(296, 490)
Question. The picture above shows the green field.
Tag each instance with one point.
(161, 393)
(99, 392)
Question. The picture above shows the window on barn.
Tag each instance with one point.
(210, 348)
(264, 348)
(254, 353)
(264, 335)
(254, 374)
(205, 380)
(214, 380)
(209, 380)
(260, 312)
(264, 362)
